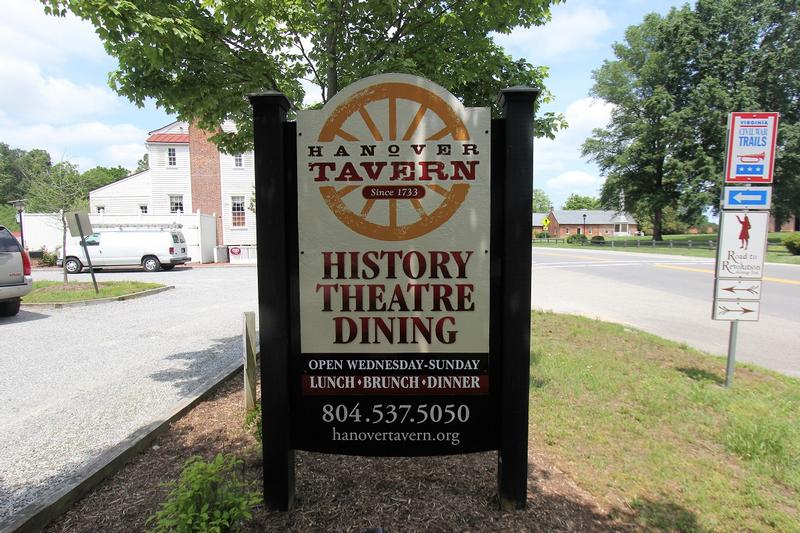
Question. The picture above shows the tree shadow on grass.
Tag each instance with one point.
(201, 367)
(665, 516)
(698, 374)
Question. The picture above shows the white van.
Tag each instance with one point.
(154, 249)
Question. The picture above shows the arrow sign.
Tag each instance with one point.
(749, 197)
(733, 310)
(742, 290)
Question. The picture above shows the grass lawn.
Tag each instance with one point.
(776, 253)
(645, 425)
(55, 292)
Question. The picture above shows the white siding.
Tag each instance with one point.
(167, 180)
(123, 197)
(237, 182)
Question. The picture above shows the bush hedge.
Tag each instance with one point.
(792, 243)
(577, 238)
(598, 239)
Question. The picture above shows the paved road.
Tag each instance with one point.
(77, 381)
(671, 297)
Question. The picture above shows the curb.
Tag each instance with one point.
(38, 515)
(79, 303)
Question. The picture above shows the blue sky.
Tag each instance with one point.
(54, 92)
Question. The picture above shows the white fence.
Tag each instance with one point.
(44, 230)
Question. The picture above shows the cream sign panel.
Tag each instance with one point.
(393, 220)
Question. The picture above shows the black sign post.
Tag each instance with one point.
(518, 105)
(318, 401)
(275, 212)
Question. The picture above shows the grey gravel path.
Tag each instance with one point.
(77, 381)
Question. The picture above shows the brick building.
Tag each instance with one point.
(790, 224)
(187, 174)
(563, 223)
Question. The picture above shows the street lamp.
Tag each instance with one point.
(584, 224)
(19, 205)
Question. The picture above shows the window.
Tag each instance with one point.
(101, 209)
(172, 159)
(143, 209)
(93, 239)
(176, 203)
(566, 231)
(237, 161)
(589, 230)
(620, 228)
(237, 211)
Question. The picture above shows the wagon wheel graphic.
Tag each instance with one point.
(450, 199)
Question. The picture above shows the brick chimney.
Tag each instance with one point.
(205, 175)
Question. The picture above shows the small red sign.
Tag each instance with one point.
(751, 147)
(236, 251)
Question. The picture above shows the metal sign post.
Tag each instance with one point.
(744, 221)
(76, 216)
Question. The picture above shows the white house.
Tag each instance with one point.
(187, 174)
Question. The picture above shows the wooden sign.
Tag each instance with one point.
(394, 277)
(393, 188)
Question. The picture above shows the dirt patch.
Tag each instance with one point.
(72, 286)
(341, 493)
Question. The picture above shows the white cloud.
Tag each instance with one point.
(573, 28)
(119, 144)
(564, 152)
(26, 92)
(575, 181)
(559, 168)
(31, 35)
(126, 155)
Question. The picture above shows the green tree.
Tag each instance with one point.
(674, 81)
(58, 189)
(142, 164)
(16, 168)
(198, 58)
(541, 202)
(579, 201)
(100, 176)
(634, 150)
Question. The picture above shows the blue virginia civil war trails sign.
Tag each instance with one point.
(394, 280)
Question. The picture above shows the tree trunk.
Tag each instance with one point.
(331, 78)
(64, 246)
(657, 222)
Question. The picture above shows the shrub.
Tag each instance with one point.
(207, 497)
(543, 235)
(48, 258)
(252, 421)
(577, 238)
(598, 239)
(792, 243)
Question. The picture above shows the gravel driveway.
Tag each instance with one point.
(77, 381)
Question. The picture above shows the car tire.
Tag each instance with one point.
(10, 307)
(167, 267)
(151, 263)
(73, 265)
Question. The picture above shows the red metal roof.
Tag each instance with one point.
(169, 138)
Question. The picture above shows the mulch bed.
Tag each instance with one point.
(341, 493)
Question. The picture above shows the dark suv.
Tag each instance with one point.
(15, 273)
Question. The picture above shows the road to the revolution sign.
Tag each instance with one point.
(751, 147)
(394, 284)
